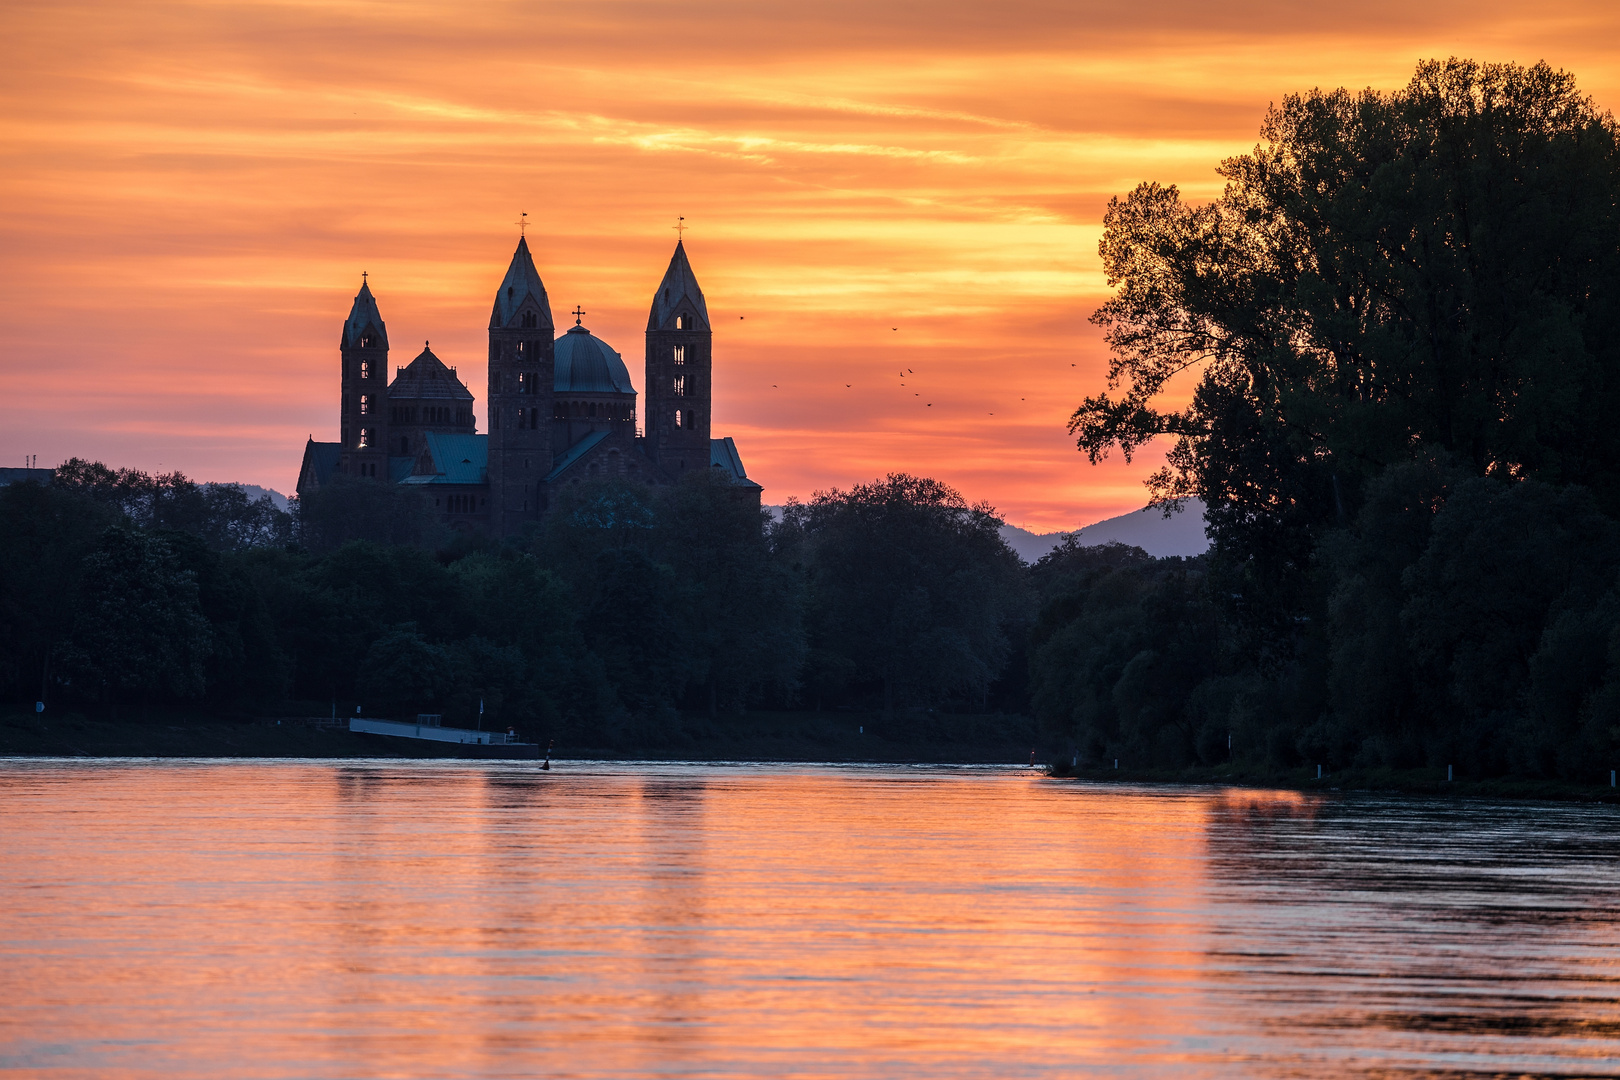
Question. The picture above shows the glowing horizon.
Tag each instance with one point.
(192, 191)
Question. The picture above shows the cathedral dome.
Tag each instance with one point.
(587, 365)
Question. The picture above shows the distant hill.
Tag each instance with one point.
(255, 493)
(1181, 534)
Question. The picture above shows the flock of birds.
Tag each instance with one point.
(903, 375)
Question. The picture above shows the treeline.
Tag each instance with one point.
(1401, 327)
(123, 593)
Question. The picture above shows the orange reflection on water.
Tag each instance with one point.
(254, 919)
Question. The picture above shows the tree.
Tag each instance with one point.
(740, 607)
(138, 627)
(1121, 643)
(46, 532)
(1385, 277)
(349, 508)
(221, 515)
(911, 585)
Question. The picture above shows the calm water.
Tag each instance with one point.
(262, 919)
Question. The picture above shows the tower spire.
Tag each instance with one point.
(678, 295)
(520, 286)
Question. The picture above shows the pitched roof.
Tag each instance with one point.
(427, 377)
(522, 281)
(588, 365)
(723, 456)
(679, 284)
(320, 461)
(362, 314)
(457, 459)
(574, 453)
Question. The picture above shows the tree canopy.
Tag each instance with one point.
(1384, 277)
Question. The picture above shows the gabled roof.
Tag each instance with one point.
(362, 314)
(574, 453)
(457, 459)
(521, 282)
(679, 285)
(400, 467)
(427, 377)
(588, 365)
(320, 461)
(724, 457)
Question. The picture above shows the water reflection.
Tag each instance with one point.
(1483, 937)
(256, 919)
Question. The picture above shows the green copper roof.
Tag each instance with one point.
(588, 365)
(574, 453)
(457, 459)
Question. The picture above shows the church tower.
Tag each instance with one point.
(364, 419)
(679, 353)
(519, 404)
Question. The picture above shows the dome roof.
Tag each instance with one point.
(587, 365)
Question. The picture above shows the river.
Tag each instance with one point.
(487, 919)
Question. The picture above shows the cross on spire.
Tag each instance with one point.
(362, 277)
(522, 222)
(680, 227)
(578, 313)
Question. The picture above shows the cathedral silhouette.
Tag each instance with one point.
(562, 409)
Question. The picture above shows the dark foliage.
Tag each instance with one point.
(911, 590)
(628, 607)
(1402, 316)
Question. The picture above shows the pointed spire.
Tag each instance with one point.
(679, 284)
(521, 282)
(362, 315)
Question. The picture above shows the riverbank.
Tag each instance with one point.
(754, 736)
(1429, 781)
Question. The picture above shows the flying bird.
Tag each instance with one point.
(848, 385)
(908, 371)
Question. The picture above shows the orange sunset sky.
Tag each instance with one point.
(190, 192)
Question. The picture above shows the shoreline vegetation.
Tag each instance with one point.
(753, 736)
(756, 738)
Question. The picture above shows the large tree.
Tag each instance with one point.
(910, 586)
(1386, 277)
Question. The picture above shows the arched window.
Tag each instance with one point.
(365, 438)
(680, 354)
(679, 385)
(680, 324)
(365, 369)
(679, 418)
(365, 404)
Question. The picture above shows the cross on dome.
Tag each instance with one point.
(578, 313)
